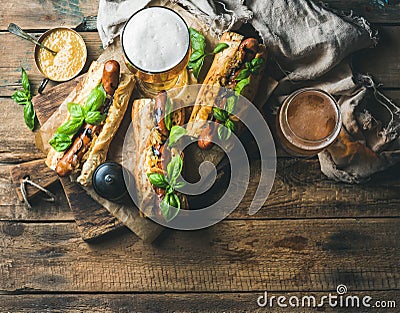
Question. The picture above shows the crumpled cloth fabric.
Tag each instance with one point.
(311, 45)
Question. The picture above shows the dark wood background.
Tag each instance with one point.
(311, 235)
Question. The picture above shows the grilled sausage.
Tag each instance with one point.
(249, 47)
(159, 114)
(207, 134)
(205, 140)
(110, 78)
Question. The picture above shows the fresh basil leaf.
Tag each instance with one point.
(230, 124)
(95, 99)
(221, 46)
(197, 40)
(29, 115)
(75, 110)
(230, 104)
(198, 43)
(20, 97)
(94, 117)
(256, 64)
(179, 185)
(28, 94)
(174, 169)
(157, 180)
(224, 133)
(175, 201)
(176, 133)
(241, 84)
(197, 54)
(243, 74)
(168, 115)
(196, 66)
(60, 142)
(25, 80)
(169, 190)
(170, 207)
(220, 114)
(70, 127)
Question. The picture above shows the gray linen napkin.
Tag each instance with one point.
(311, 45)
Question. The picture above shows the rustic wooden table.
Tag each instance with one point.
(311, 235)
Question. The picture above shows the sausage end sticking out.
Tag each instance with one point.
(205, 140)
(249, 47)
(110, 78)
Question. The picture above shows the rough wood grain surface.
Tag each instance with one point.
(43, 14)
(369, 9)
(175, 302)
(283, 255)
(17, 141)
(300, 191)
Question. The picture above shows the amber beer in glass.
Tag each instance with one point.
(156, 46)
(308, 121)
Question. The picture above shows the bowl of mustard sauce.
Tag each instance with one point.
(70, 58)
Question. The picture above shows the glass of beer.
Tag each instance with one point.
(156, 46)
(308, 121)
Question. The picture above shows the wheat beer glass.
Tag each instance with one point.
(156, 46)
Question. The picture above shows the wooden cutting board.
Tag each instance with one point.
(93, 219)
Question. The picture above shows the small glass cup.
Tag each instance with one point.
(173, 38)
(308, 121)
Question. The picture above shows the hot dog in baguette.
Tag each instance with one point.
(238, 68)
(81, 143)
(154, 158)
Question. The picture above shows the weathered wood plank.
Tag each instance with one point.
(300, 191)
(17, 141)
(43, 14)
(382, 62)
(385, 66)
(172, 302)
(232, 256)
(19, 53)
(388, 14)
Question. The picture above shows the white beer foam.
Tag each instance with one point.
(155, 39)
